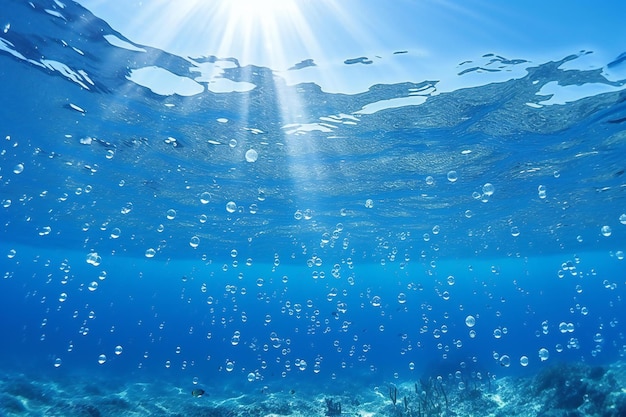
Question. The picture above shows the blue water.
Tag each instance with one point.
(290, 234)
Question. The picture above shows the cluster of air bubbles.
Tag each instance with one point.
(541, 191)
(128, 207)
(171, 141)
(306, 214)
(93, 259)
(566, 327)
(487, 191)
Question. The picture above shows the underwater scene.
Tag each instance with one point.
(363, 227)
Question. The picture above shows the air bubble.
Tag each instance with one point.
(488, 189)
(515, 231)
(544, 354)
(115, 233)
(606, 231)
(194, 241)
(57, 362)
(102, 359)
(251, 155)
(523, 360)
(231, 207)
(118, 350)
(430, 180)
(505, 361)
(541, 191)
(452, 176)
(376, 301)
(205, 197)
(622, 218)
(170, 214)
(150, 253)
(93, 286)
(369, 203)
(19, 168)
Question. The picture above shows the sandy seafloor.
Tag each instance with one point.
(566, 390)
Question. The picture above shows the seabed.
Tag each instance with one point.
(561, 390)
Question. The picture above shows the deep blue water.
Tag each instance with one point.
(353, 248)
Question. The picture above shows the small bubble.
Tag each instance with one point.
(523, 360)
(402, 298)
(369, 203)
(62, 297)
(230, 365)
(251, 377)
(606, 231)
(505, 361)
(57, 362)
(150, 253)
(205, 197)
(251, 155)
(231, 207)
(430, 180)
(19, 168)
(194, 241)
(541, 191)
(118, 350)
(557, 174)
(232, 143)
(376, 301)
(6, 203)
(622, 218)
(170, 214)
(468, 213)
(488, 189)
(450, 280)
(452, 176)
(102, 359)
(115, 233)
(110, 154)
(93, 286)
(544, 354)
(515, 231)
